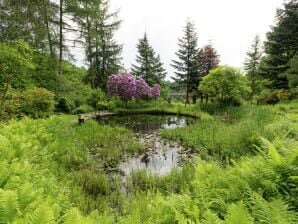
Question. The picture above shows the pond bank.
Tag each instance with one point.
(159, 156)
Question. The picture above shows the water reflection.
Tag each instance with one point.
(147, 123)
(161, 156)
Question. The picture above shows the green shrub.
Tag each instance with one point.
(37, 102)
(275, 97)
(64, 105)
(83, 109)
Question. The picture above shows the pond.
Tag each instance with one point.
(161, 156)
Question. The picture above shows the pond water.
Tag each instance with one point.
(161, 156)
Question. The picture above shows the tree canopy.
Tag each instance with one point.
(225, 83)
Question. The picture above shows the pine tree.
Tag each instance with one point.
(149, 67)
(187, 66)
(252, 63)
(208, 59)
(281, 45)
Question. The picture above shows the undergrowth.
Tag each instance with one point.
(54, 171)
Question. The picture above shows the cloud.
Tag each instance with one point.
(230, 24)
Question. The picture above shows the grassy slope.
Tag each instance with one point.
(46, 170)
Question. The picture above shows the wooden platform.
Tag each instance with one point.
(93, 116)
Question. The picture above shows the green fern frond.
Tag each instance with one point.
(237, 213)
(210, 218)
(43, 214)
(9, 206)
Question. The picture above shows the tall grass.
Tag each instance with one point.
(54, 171)
(231, 133)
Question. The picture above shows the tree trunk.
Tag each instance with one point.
(5, 92)
(60, 45)
(89, 54)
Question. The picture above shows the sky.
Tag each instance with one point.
(229, 24)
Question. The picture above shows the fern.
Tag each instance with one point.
(210, 218)
(9, 206)
(237, 213)
(42, 214)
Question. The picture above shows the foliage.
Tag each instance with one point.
(127, 88)
(15, 68)
(37, 102)
(252, 67)
(292, 72)
(97, 27)
(226, 137)
(187, 65)
(275, 97)
(225, 83)
(281, 45)
(149, 65)
(50, 166)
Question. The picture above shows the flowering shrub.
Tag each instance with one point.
(122, 85)
(143, 90)
(155, 91)
(127, 87)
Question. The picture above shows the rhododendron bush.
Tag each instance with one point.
(127, 87)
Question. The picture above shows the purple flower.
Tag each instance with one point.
(127, 87)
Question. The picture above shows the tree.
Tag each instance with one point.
(29, 20)
(98, 26)
(15, 67)
(292, 72)
(187, 66)
(252, 64)
(149, 66)
(225, 84)
(208, 59)
(281, 45)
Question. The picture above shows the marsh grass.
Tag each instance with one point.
(231, 133)
(53, 171)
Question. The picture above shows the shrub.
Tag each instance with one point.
(225, 83)
(127, 88)
(96, 96)
(275, 97)
(63, 105)
(37, 102)
(83, 109)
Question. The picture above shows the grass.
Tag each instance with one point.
(162, 108)
(55, 171)
(229, 135)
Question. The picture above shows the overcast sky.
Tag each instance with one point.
(229, 24)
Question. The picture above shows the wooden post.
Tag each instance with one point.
(81, 119)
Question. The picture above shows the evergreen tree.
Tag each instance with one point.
(29, 20)
(252, 63)
(208, 59)
(281, 45)
(149, 65)
(187, 66)
(98, 26)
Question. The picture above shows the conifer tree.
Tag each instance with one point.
(187, 66)
(252, 64)
(98, 26)
(281, 45)
(149, 66)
